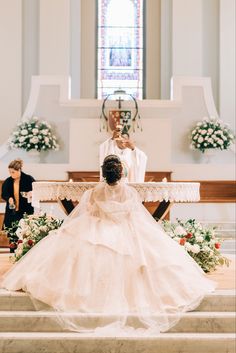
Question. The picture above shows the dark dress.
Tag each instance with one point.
(8, 191)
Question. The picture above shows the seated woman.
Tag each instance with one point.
(110, 259)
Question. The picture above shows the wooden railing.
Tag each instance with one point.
(94, 176)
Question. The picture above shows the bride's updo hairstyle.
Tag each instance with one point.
(112, 169)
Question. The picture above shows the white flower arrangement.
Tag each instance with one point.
(211, 133)
(200, 242)
(33, 134)
(27, 232)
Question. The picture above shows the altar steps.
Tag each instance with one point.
(32, 321)
(38, 342)
(220, 300)
(209, 329)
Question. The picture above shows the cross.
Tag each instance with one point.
(119, 100)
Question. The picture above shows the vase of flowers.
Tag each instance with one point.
(34, 155)
(200, 242)
(27, 232)
(209, 154)
(33, 135)
(210, 135)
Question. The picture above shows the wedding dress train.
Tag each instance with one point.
(112, 261)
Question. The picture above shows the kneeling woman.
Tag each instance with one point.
(111, 259)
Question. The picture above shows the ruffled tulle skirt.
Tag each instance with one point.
(125, 273)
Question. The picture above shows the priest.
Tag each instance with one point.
(133, 159)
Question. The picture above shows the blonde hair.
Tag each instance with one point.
(17, 164)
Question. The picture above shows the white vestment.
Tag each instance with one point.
(134, 161)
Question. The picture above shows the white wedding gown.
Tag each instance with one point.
(110, 259)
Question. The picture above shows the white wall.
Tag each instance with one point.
(75, 48)
(10, 65)
(30, 45)
(187, 37)
(227, 60)
(54, 37)
(210, 44)
(88, 49)
(192, 99)
(205, 212)
(152, 59)
(166, 48)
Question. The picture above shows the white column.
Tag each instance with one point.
(75, 48)
(166, 43)
(153, 49)
(30, 45)
(10, 65)
(88, 49)
(210, 45)
(54, 37)
(227, 61)
(187, 37)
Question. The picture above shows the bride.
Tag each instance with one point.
(110, 260)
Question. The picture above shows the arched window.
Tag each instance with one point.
(120, 47)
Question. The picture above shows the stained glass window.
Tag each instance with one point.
(120, 47)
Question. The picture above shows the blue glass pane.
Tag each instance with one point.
(122, 59)
(120, 37)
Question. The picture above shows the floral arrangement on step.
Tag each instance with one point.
(27, 232)
(199, 241)
(211, 133)
(33, 134)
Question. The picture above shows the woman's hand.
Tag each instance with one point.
(11, 201)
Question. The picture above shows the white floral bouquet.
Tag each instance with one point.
(33, 134)
(211, 133)
(27, 232)
(199, 241)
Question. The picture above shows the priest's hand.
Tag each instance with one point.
(130, 144)
(116, 135)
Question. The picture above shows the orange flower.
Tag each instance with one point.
(182, 241)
